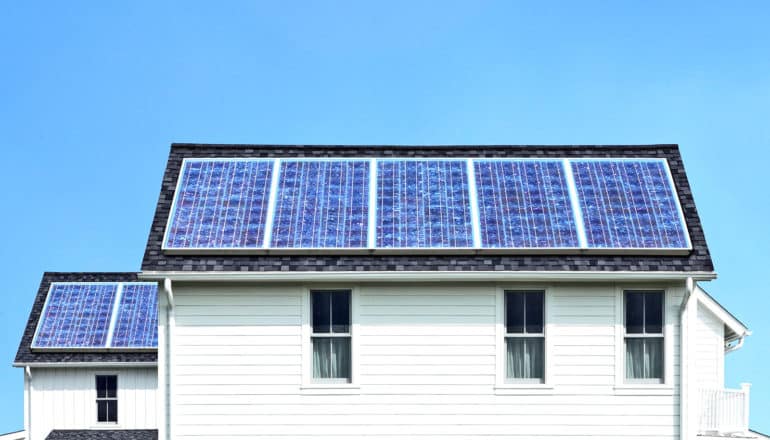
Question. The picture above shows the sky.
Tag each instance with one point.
(93, 93)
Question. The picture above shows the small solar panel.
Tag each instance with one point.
(629, 204)
(321, 204)
(423, 204)
(524, 204)
(136, 322)
(76, 316)
(220, 204)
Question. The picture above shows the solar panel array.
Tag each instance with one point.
(98, 316)
(412, 204)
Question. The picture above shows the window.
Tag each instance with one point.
(107, 399)
(644, 336)
(524, 336)
(330, 335)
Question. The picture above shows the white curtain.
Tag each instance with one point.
(525, 359)
(644, 358)
(331, 358)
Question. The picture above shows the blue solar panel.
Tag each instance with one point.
(220, 204)
(76, 315)
(524, 204)
(321, 204)
(629, 204)
(423, 204)
(136, 323)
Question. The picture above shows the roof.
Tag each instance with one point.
(734, 328)
(26, 355)
(156, 260)
(103, 434)
(16, 435)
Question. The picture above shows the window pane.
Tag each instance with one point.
(101, 411)
(534, 316)
(525, 358)
(653, 312)
(101, 386)
(634, 312)
(514, 312)
(321, 312)
(112, 386)
(331, 358)
(112, 411)
(341, 312)
(644, 358)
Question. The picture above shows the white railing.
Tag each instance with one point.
(724, 411)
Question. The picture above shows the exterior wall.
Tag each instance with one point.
(426, 362)
(709, 350)
(65, 398)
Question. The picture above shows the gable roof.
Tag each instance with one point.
(156, 260)
(26, 355)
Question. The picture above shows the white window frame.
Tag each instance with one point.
(644, 386)
(115, 399)
(504, 385)
(312, 385)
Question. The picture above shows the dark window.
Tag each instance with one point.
(524, 336)
(107, 398)
(331, 337)
(644, 336)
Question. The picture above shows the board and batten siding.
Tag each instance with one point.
(425, 363)
(65, 398)
(709, 350)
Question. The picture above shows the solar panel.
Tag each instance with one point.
(76, 315)
(423, 204)
(321, 204)
(220, 204)
(136, 322)
(629, 204)
(524, 204)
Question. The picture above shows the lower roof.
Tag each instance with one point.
(103, 434)
(26, 355)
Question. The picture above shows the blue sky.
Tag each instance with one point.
(91, 95)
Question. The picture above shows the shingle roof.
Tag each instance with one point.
(26, 355)
(698, 260)
(103, 434)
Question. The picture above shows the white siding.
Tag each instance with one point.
(65, 398)
(709, 350)
(426, 359)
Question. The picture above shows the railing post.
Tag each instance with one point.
(745, 387)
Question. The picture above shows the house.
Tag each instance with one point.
(394, 292)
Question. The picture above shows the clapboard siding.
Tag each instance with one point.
(425, 363)
(709, 350)
(65, 398)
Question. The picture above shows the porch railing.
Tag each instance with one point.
(724, 411)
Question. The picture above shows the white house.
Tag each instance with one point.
(393, 292)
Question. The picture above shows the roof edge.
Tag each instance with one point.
(722, 313)
(175, 145)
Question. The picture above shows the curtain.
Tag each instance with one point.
(525, 359)
(331, 358)
(644, 358)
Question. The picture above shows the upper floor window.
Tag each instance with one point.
(107, 398)
(644, 336)
(524, 336)
(330, 335)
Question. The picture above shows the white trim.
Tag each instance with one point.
(410, 276)
(577, 212)
(474, 202)
(372, 225)
(115, 399)
(114, 315)
(267, 234)
(720, 312)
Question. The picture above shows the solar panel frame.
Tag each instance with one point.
(262, 227)
(674, 199)
(46, 306)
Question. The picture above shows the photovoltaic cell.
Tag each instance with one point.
(423, 204)
(76, 315)
(629, 204)
(524, 204)
(321, 204)
(220, 204)
(136, 323)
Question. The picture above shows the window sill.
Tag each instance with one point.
(105, 425)
(644, 390)
(323, 389)
(523, 389)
